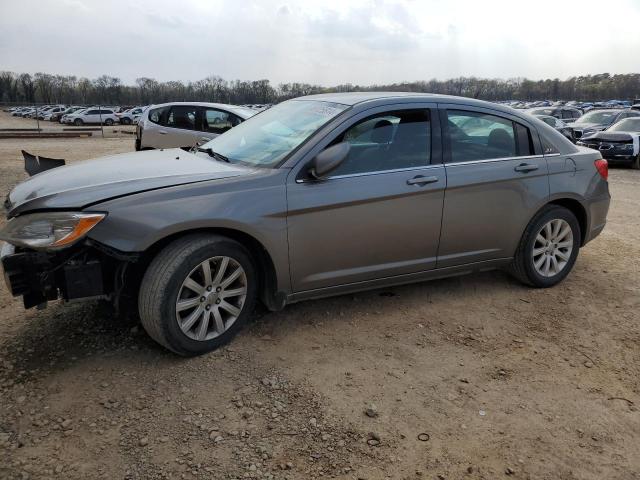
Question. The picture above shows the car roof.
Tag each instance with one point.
(223, 106)
(360, 98)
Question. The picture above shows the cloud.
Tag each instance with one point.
(326, 42)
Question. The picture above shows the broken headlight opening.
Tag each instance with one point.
(49, 230)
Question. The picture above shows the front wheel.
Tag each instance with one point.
(197, 293)
(548, 248)
(78, 122)
(635, 164)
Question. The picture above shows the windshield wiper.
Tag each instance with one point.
(216, 155)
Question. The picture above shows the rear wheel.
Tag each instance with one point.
(548, 248)
(108, 122)
(197, 293)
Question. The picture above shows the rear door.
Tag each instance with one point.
(173, 126)
(497, 179)
(92, 116)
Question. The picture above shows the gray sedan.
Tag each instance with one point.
(317, 196)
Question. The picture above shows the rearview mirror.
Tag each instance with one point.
(328, 160)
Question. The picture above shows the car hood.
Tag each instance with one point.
(584, 126)
(88, 182)
(612, 136)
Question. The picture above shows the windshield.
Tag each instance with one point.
(597, 117)
(265, 139)
(626, 125)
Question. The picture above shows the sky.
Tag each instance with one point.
(325, 42)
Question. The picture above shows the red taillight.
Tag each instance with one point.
(603, 168)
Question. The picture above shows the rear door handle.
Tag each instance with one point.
(526, 167)
(421, 180)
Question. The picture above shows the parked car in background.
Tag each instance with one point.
(184, 124)
(68, 111)
(92, 115)
(558, 124)
(598, 120)
(566, 114)
(53, 114)
(66, 117)
(129, 116)
(317, 196)
(620, 143)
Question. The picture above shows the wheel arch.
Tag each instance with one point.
(268, 288)
(579, 210)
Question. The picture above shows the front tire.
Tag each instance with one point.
(78, 122)
(635, 164)
(548, 248)
(197, 293)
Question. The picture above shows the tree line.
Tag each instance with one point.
(69, 89)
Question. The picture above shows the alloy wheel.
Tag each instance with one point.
(552, 248)
(211, 298)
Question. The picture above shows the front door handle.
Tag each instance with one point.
(526, 167)
(421, 180)
(162, 132)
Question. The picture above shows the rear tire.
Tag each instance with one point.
(108, 122)
(165, 284)
(545, 257)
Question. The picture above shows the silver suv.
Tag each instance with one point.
(317, 196)
(184, 124)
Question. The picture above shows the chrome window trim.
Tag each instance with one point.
(367, 174)
(491, 160)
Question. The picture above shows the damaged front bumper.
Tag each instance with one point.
(80, 274)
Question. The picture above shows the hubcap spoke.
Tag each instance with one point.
(187, 303)
(231, 278)
(233, 310)
(222, 269)
(218, 320)
(194, 286)
(204, 325)
(191, 319)
(206, 272)
(236, 292)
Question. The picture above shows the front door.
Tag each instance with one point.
(378, 215)
(496, 181)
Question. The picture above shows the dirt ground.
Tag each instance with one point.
(474, 377)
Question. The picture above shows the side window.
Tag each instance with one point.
(481, 136)
(157, 115)
(107, 112)
(577, 114)
(93, 112)
(387, 141)
(183, 117)
(217, 121)
(567, 114)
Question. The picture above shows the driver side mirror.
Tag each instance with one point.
(328, 160)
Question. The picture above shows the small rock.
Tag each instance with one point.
(143, 442)
(509, 471)
(371, 411)
(588, 364)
